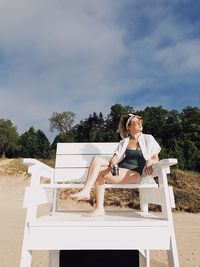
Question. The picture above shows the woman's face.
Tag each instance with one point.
(136, 125)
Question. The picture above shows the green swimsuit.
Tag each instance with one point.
(133, 160)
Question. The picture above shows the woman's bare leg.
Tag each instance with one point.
(125, 177)
(100, 190)
(93, 173)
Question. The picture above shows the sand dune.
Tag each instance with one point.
(13, 218)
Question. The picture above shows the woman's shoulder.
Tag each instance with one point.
(147, 136)
(125, 139)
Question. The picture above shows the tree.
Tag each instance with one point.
(43, 145)
(190, 136)
(34, 144)
(91, 129)
(113, 119)
(8, 137)
(62, 122)
(28, 143)
(154, 120)
(68, 137)
(116, 112)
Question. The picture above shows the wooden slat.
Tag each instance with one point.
(70, 174)
(80, 161)
(107, 185)
(85, 148)
(37, 195)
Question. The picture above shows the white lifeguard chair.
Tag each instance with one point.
(140, 230)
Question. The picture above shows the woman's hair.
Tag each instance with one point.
(122, 126)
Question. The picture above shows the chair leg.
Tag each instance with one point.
(54, 258)
(54, 208)
(26, 258)
(144, 258)
(172, 254)
(144, 207)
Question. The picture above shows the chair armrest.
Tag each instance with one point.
(39, 168)
(166, 162)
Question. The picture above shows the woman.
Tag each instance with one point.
(134, 155)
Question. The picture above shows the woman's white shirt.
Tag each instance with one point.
(148, 145)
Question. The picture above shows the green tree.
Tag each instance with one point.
(63, 138)
(62, 122)
(8, 137)
(190, 136)
(154, 120)
(28, 143)
(34, 144)
(113, 119)
(91, 129)
(43, 145)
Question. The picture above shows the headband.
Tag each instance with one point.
(130, 118)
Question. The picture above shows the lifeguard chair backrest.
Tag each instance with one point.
(73, 159)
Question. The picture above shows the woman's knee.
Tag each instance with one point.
(96, 159)
(99, 160)
(100, 179)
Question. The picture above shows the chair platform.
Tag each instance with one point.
(115, 230)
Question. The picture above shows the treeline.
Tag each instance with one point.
(178, 133)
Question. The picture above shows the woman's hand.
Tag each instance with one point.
(113, 160)
(148, 169)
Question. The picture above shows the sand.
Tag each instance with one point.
(187, 227)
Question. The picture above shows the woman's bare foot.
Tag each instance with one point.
(80, 196)
(95, 213)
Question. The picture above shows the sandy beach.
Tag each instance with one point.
(13, 218)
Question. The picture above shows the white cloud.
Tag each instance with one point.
(81, 56)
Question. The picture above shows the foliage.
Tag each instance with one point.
(8, 137)
(34, 144)
(178, 133)
(91, 129)
(62, 122)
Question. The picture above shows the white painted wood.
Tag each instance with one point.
(26, 259)
(112, 218)
(70, 174)
(55, 238)
(172, 253)
(54, 256)
(37, 196)
(85, 148)
(171, 197)
(44, 170)
(71, 230)
(76, 161)
(74, 174)
(153, 196)
(144, 258)
(107, 185)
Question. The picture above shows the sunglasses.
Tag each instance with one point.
(135, 123)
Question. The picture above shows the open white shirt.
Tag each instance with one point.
(148, 145)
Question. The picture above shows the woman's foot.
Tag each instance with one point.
(95, 213)
(80, 196)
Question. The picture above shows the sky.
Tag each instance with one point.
(86, 55)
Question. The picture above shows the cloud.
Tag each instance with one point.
(85, 56)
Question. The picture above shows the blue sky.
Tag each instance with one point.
(85, 56)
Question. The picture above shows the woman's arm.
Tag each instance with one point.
(148, 169)
(114, 160)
